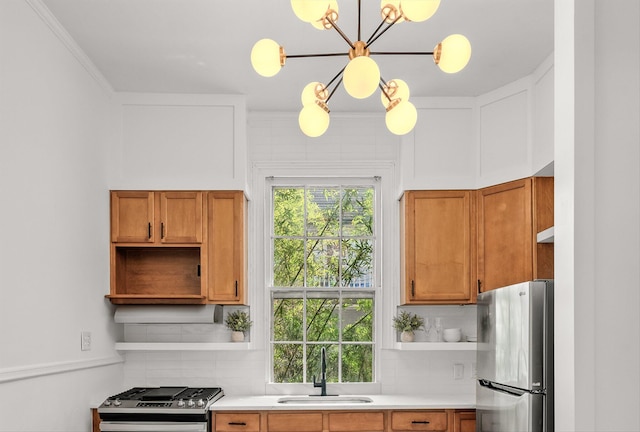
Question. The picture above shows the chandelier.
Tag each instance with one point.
(361, 76)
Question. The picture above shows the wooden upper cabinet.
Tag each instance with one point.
(509, 217)
(438, 251)
(156, 217)
(132, 217)
(227, 249)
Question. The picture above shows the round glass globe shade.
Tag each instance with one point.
(402, 92)
(401, 119)
(313, 120)
(309, 96)
(361, 77)
(265, 57)
(309, 10)
(419, 10)
(455, 53)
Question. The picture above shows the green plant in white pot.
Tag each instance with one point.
(407, 323)
(239, 323)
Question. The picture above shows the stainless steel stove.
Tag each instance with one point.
(159, 409)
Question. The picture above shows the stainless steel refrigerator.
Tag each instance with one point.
(514, 392)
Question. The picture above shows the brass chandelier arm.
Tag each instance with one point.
(335, 78)
(336, 87)
(401, 53)
(340, 32)
(376, 35)
(381, 85)
(317, 55)
(359, 15)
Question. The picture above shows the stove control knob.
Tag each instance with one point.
(191, 403)
(200, 403)
(117, 402)
(107, 402)
(181, 403)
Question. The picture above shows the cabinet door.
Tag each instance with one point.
(439, 247)
(294, 422)
(132, 217)
(181, 217)
(226, 242)
(464, 421)
(505, 235)
(356, 422)
(509, 217)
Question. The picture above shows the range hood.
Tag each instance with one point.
(168, 314)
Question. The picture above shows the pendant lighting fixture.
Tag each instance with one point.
(361, 75)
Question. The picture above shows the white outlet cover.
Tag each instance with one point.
(85, 341)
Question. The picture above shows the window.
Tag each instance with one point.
(324, 281)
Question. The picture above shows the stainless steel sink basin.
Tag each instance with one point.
(320, 400)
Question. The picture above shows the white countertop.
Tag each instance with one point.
(256, 403)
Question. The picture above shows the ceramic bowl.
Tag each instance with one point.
(452, 335)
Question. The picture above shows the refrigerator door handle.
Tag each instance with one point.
(502, 388)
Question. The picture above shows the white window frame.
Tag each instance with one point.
(258, 229)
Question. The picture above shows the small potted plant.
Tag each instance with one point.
(238, 322)
(406, 323)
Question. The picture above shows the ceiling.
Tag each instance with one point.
(203, 46)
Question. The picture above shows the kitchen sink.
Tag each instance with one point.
(324, 400)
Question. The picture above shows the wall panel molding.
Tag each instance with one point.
(32, 371)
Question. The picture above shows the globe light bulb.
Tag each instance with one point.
(453, 53)
(419, 10)
(396, 89)
(309, 10)
(361, 77)
(314, 119)
(266, 57)
(401, 118)
(312, 92)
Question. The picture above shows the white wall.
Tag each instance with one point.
(56, 122)
(597, 158)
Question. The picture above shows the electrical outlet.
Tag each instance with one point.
(85, 341)
(458, 371)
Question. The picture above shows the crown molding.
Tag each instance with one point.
(63, 35)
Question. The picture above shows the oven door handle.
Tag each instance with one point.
(108, 426)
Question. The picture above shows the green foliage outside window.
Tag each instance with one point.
(323, 278)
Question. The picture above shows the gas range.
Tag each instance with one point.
(161, 400)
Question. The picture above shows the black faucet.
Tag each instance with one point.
(323, 373)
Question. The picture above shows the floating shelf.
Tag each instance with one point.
(182, 346)
(546, 236)
(436, 346)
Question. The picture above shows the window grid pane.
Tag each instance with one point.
(309, 307)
